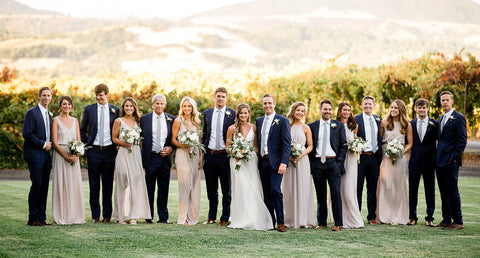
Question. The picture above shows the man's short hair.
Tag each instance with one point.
(159, 96)
(101, 88)
(42, 89)
(221, 89)
(445, 92)
(368, 97)
(326, 101)
(269, 95)
(422, 102)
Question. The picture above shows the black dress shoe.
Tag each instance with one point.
(164, 221)
(148, 221)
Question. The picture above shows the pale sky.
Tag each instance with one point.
(136, 8)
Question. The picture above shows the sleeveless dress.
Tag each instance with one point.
(68, 204)
(248, 210)
(297, 188)
(392, 200)
(188, 183)
(131, 198)
(348, 189)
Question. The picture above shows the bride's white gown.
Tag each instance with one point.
(248, 211)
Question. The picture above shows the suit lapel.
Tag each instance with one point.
(43, 131)
(361, 125)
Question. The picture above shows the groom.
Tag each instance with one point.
(275, 145)
(37, 144)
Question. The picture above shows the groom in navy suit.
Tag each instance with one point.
(275, 146)
(156, 155)
(326, 163)
(371, 157)
(422, 161)
(217, 167)
(452, 139)
(96, 132)
(37, 144)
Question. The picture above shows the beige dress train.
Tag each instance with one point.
(188, 184)
(131, 198)
(68, 203)
(297, 188)
(392, 200)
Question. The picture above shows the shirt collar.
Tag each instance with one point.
(324, 122)
(158, 116)
(449, 113)
(100, 105)
(367, 117)
(424, 120)
(42, 109)
(272, 115)
(221, 110)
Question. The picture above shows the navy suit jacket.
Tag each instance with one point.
(422, 154)
(452, 140)
(228, 120)
(88, 127)
(279, 140)
(361, 133)
(34, 135)
(146, 126)
(338, 141)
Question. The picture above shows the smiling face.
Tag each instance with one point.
(368, 105)
(345, 112)
(326, 111)
(159, 105)
(45, 98)
(268, 105)
(128, 108)
(220, 99)
(394, 112)
(422, 111)
(299, 113)
(187, 107)
(244, 115)
(101, 98)
(65, 106)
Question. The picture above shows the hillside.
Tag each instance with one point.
(10, 7)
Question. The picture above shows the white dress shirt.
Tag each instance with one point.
(44, 112)
(446, 118)
(163, 130)
(368, 130)
(106, 130)
(424, 124)
(267, 129)
(213, 132)
(322, 137)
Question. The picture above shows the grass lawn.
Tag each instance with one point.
(19, 240)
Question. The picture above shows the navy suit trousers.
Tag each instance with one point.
(40, 177)
(158, 172)
(217, 166)
(368, 168)
(448, 185)
(429, 185)
(272, 192)
(101, 166)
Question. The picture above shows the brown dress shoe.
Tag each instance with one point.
(372, 222)
(412, 222)
(336, 228)
(281, 228)
(96, 220)
(37, 224)
(320, 226)
(46, 223)
(430, 224)
(223, 223)
(454, 226)
(106, 220)
(210, 221)
(443, 224)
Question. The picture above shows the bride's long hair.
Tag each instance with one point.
(237, 127)
(402, 114)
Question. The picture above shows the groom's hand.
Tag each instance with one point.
(282, 169)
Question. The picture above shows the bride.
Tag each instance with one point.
(248, 211)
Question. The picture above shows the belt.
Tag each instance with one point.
(328, 157)
(367, 152)
(265, 156)
(102, 147)
(215, 152)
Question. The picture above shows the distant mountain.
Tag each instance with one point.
(10, 7)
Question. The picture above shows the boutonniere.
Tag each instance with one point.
(50, 113)
(228, 113)
(333, 125)
(276, 121)
(168, 119)
(451, 118)
(112, 110)
(431, 123)
(377, 119)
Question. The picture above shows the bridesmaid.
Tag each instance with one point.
(348, 188)
(187, 167)
(131, 198)
(297, 181)
(392, 200)
(68, 204)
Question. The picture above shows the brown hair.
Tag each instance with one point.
(368, 97)
(221, 89)
(421, 102)
(351, 123)
(101, 88)
(136, 114)
(291, 111)
(326, 101)
(269, 95)
(403, 117)
(67, 98)
(241, 106)
(446, 93)
(42, 89)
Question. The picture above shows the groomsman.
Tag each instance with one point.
(96, 132)
(452, 139)
(371, 157)
(37, 144)
(326, 163)
(156, 155)
(274, 153)
(422, 161)
(217, 167)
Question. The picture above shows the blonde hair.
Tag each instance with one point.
(237, 127)
(291, 111)
(195, 114)
(402, 109)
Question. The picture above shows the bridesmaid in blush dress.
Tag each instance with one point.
(392, 200)
(68, 204)
(297, 181)
(131, 198)
(348, 189)
(187, 167)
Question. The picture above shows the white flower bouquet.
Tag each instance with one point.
(131, 136)
(297, 150)
(394, 150)
(75, 147)
(357, 145)
(191, 139)
(240, 149)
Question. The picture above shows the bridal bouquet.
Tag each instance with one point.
(191, 139)
(394, 150)
(75, 147)
(357, 145)
(297, 150)
(240, 149)
(131, 136)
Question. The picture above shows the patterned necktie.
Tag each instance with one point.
(158, 146)
(47, 126)
(264, 137)
(218, 130)
(101, 129)
(323, 157)
(372, 135)
(420, 130)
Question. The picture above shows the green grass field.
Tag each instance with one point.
(143, 240)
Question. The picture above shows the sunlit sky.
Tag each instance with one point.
(136, 8)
